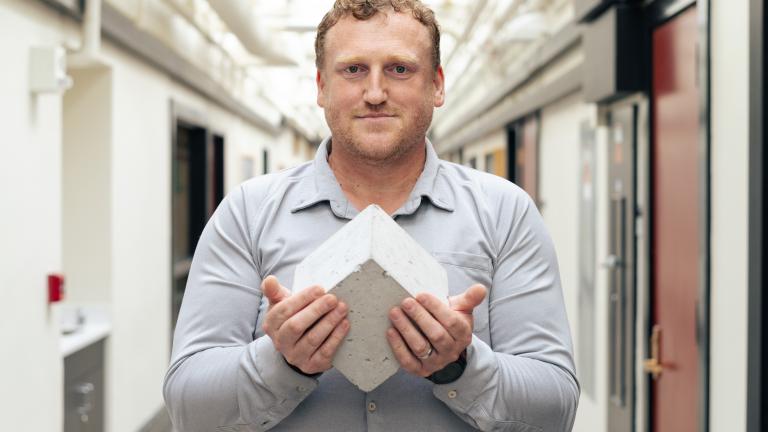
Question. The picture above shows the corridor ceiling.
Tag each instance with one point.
(478, 37)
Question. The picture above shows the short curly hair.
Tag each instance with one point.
(365, 9)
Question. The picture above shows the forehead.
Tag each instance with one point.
(385, 33)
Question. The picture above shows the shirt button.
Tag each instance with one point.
(452, 394)
(301, 389)
(371, 406)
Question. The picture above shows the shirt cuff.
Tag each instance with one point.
(277, 374)
(481, 366)
(269, 371)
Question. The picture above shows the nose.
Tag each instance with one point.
(375, 92)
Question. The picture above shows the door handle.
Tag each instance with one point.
(612, 261)
(85, 393)
(653, 365)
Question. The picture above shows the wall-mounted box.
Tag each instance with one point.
(48, 69)
(615, 50)
(587, 10)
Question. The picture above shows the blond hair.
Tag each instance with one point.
(365, 9)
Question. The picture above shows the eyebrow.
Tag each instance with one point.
(391, 59)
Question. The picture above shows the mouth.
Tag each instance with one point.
(374, 116)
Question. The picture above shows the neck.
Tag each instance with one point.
(387, 184)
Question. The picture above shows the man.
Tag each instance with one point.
(251, 355)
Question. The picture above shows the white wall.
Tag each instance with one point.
(288, 150)
(87, 185)
(115, 177)
(488, 144)
(730, 142)
(242, 141)
(559, 180)
(141, 239)
(141, 280)
(30, 226)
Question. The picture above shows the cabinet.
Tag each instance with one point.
(84, 389)
(615, 56)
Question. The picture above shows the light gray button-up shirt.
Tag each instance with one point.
(225, 374)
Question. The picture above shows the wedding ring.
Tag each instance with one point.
(426, 355)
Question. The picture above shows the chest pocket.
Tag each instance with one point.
(465, 270)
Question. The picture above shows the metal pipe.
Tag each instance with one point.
(91, 29)
(241, 20)
(461, 40)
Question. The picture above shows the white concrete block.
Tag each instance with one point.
(371, 264)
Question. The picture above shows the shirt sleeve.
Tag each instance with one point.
(525, 379)
(220, 378)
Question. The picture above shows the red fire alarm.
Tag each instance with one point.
(55, 287)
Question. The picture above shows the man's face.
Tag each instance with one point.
(378, 86)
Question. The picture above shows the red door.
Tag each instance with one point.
(676, 224)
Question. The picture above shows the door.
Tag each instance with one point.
(84, 389)
(198, 188)
(676, 227)
(523, 154)
(622, 121)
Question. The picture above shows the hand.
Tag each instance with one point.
(426, 325)
(306, 328)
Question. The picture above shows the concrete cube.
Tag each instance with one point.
(371, 264)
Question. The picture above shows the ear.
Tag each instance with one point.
(320, 89)
(439, 83)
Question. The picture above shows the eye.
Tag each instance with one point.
(400, 69)
(352, 69)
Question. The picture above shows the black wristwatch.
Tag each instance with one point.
(315, 375)
(451, 372)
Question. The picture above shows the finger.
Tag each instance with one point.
(438, 336)
(412, 332)
(288, 307)
(403, 354)
(323, 356)
(274, 292)
(318, 333)
(457, 327)
(295, 327)
(469, 299)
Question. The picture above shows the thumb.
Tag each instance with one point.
(469, 299)
(274, 292)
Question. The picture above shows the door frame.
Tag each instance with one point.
(643, 279)
(705, 207)
(660, 12)
(516, 136)
(757, 334)
(639, 202)
(181, 114)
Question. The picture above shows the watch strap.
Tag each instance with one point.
(451, 372)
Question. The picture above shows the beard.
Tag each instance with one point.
(382, 144)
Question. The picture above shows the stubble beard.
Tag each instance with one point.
(403, 141)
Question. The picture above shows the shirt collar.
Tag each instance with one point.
(430, 184)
